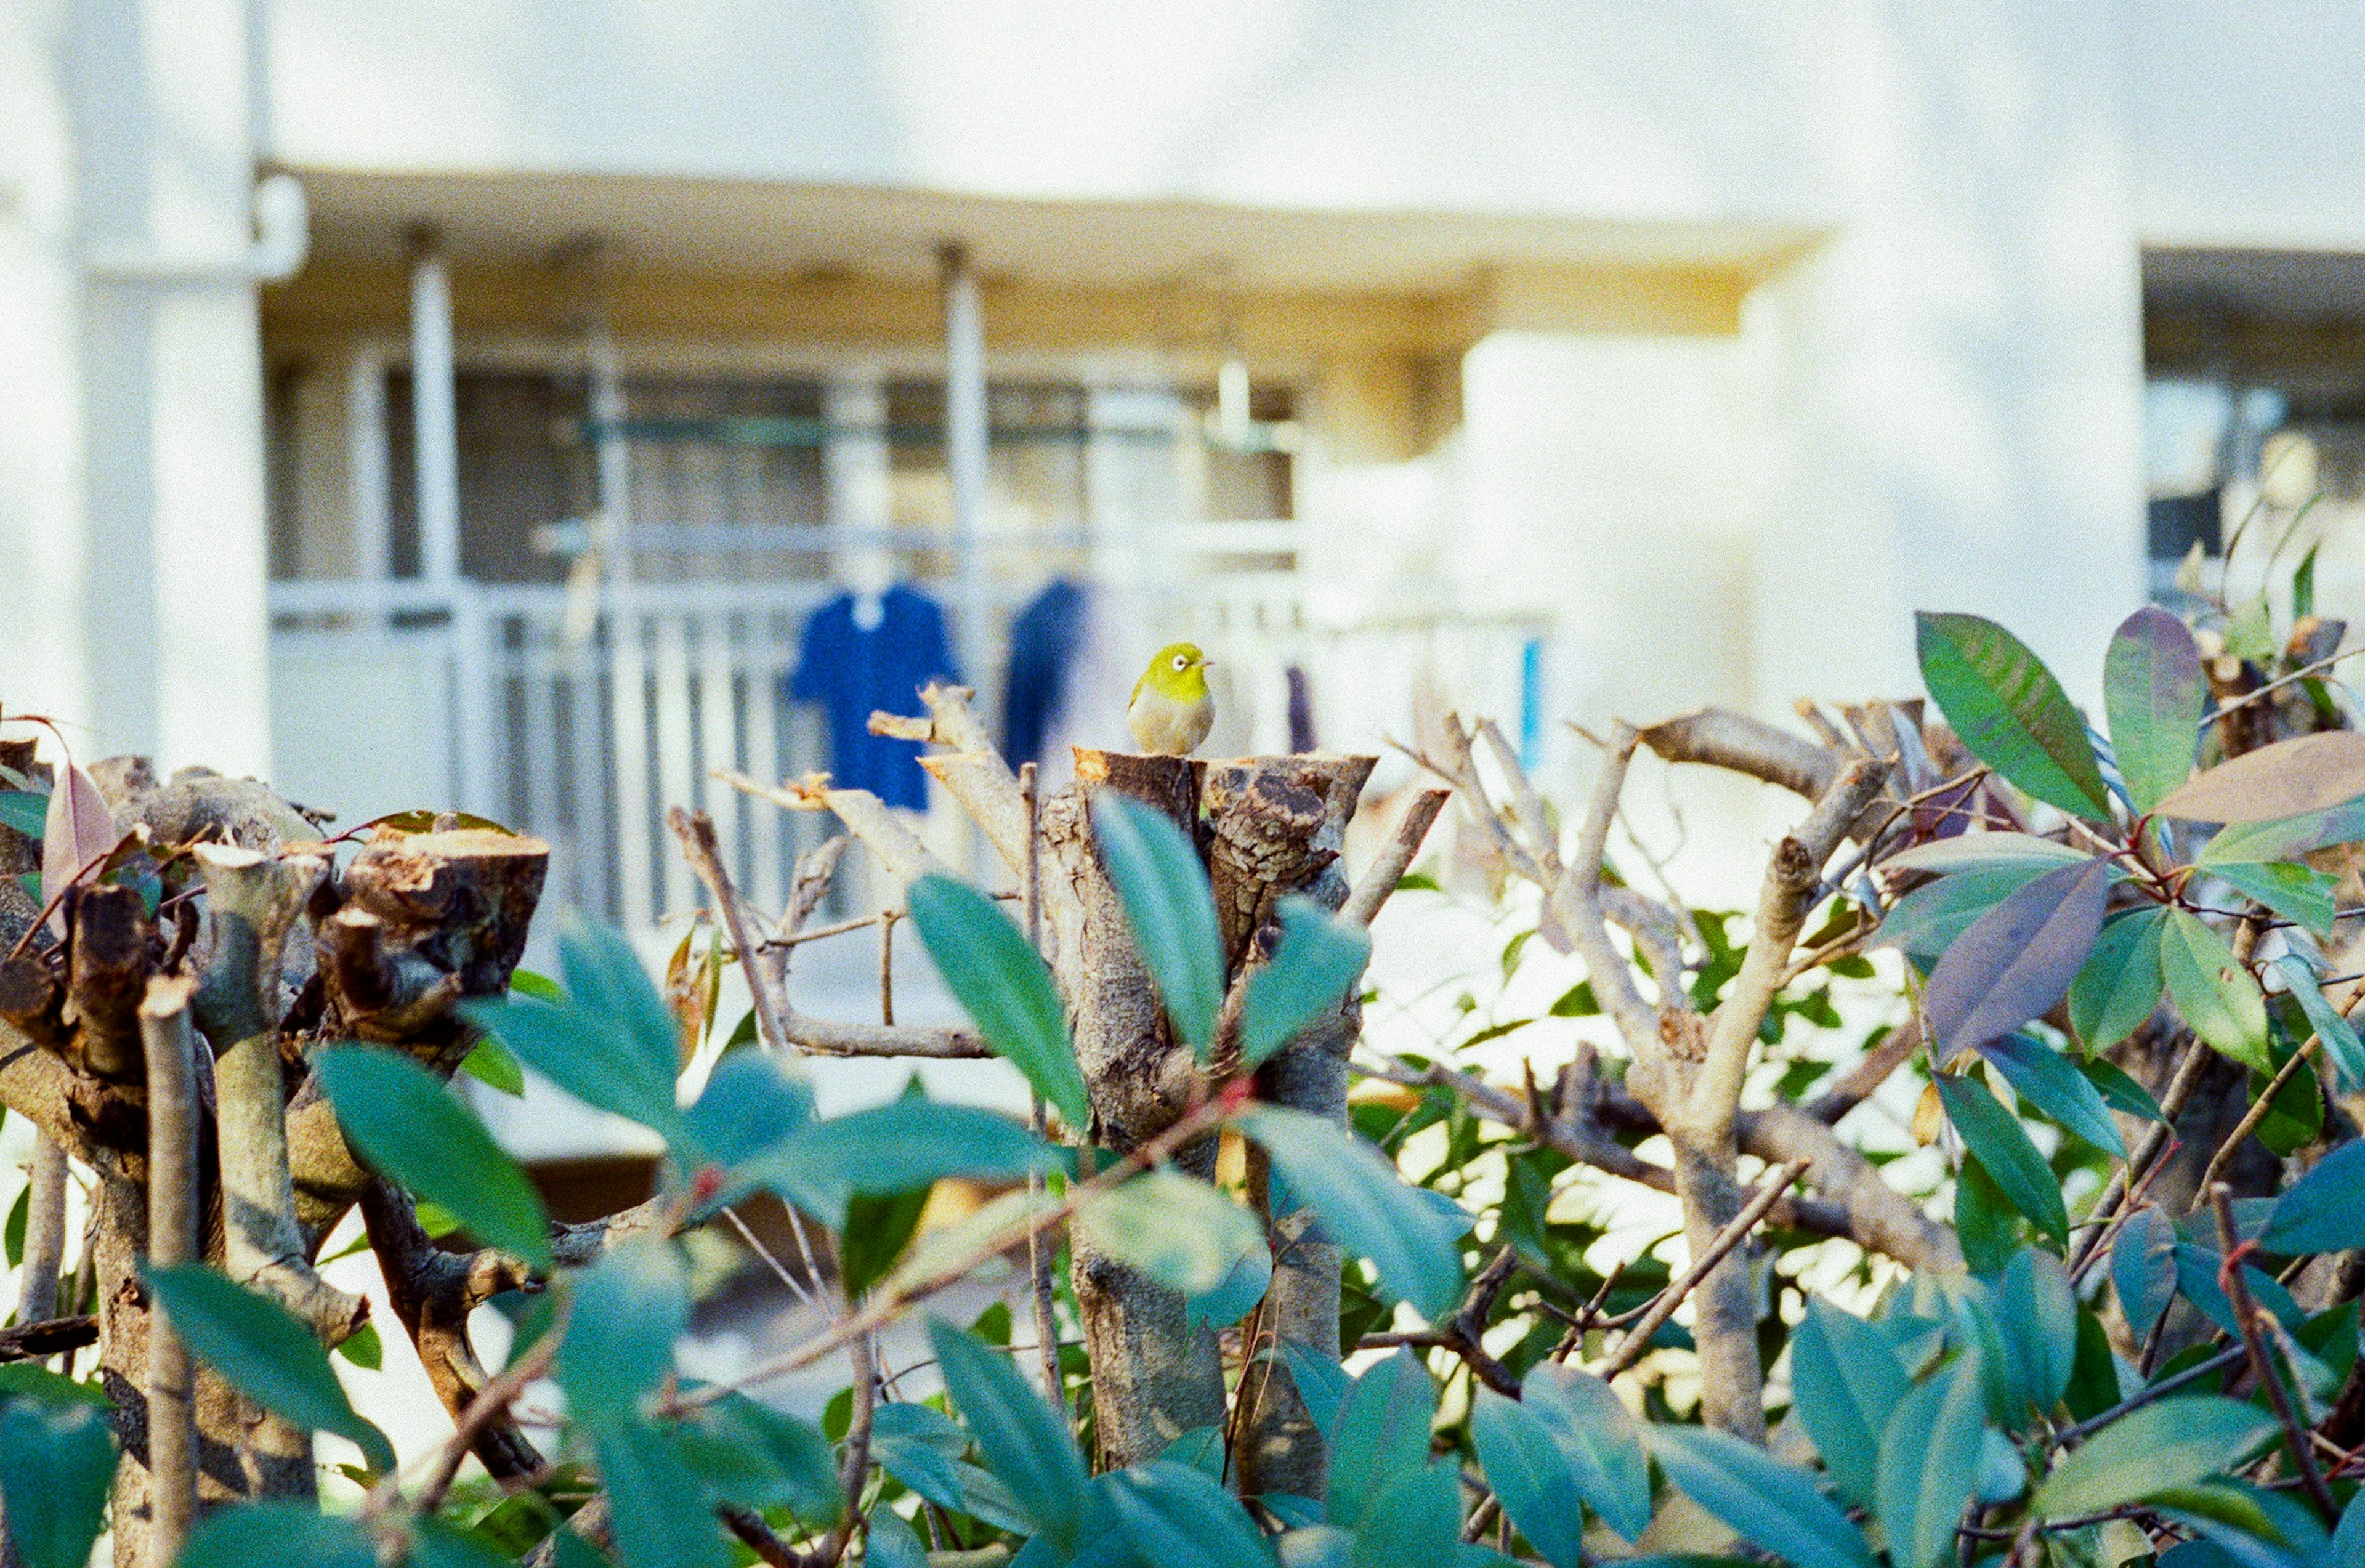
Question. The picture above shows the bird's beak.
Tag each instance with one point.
(1206, 664)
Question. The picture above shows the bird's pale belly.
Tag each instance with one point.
(1161, 724)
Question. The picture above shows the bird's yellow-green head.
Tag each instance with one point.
(1178, 672)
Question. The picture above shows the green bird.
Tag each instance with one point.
(1170, 711)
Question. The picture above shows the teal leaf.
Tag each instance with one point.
(752, 1102)
(276, 1535)
(1364, 1205)
(1929, 1463)
(2010, 712)
(407, 1125)
(903, 1146)
(2153, 692)
(2120, 983)
(1523, 1463)
(2348, 1540)
(1599, 1441)
(1845, 1380)
(1381, 1437)
(1179, 1231)
(57, 1464)
(2172, 1443)
(760, 1458)
(1020, 1439)
(2119, 1091)
(26, 811)
(2323, 1211)
(629, 1308)
(264, 1352)
(1765, 1502)
(1232, 1297)
(1001, 983)
(2017, 960)
(1322, 1384)
(1319, 959)
(2340, 1041)
(1180, 1517)
(2036, 1315)
(593, 1057)
(2051, 1082)
(2002, 1144)
(437, 1544)
(2213, 991)
(2143, 1268)
(606, 981)
(2299, 893)
(1925, 923)
(892, 1543)
(2285, 838)
(1167, 902)
(661, 1515)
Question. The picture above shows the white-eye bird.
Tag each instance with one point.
(1170, 711)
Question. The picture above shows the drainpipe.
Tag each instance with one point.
(283, 239)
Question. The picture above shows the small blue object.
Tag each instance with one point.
(852, 673)
(1531, 704)
(1044, 639)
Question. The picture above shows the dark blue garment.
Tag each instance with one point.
(1044, 639)
(852, 673)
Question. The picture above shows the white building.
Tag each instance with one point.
(1695, 346)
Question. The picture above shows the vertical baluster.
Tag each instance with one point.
(538, 737)
(670, 661)
(718, 733)
(763, 660)
(588, 827)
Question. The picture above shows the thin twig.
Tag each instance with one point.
(2257, 1112)
(2245, 1314)
(171, 1051)
(1040, 1253)
(2280, 682)
(1638, 1338)
(887, 970)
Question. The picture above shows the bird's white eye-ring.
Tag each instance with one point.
(1181, 661)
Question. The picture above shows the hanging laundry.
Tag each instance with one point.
(853, 671)
(1044, 638)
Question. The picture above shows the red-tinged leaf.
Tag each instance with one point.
(79, 830)
(2017, 959)
(2153, 692)
(2290, 778)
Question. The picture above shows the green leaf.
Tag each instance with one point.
(1523, 1463)
(1175, 1515)
(1178, 1231)
(2120, 983)
(1322, 1384)
(2284, 838)
(1364, 1205)
(2010, 711)
(1167, 902)
(1929, 1462)
(2322, 1212)
(758, 1458)
(1768, 1504)
(2051, 1082)
(2017, 960)
(1845, 1380)
(2119, 1091)
(1984, 1221)
(903, 1146)
(2153, 692)
(264, 1352)
(19, 1214)
(2213, 993)
(2297, 893)
(2036, 1314)
(590, 1056)
(628, 1310)
(1599, 1442)
(2172, 1443)
(1967, 851)
(364, 1348)
(1001, 983)
(276, 1535)
(1319, 959)
(1380, 1437)
(2002, 1144)
(893, 1544)
(408, 1125)
(436, 1544)
(540, 987)
(26, 811)
(1019, 1436)
(2340, 1041)
(1925, 923)
(2143, 1268)
(752, 1102)
(491, 1063)
(877, 1232)
(29, 1379)
(57, 1463)
(662, 1517)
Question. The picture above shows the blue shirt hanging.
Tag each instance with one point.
(1044, 639)
(852, 673)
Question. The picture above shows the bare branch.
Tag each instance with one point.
(171, 1386)
(45, 1232)
(1722, 738)
(1575, 898)
(866, 816)
(1380, 877)
(969, 767)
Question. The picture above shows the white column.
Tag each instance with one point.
(435, 443)
(365, 466)
(965, 455)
